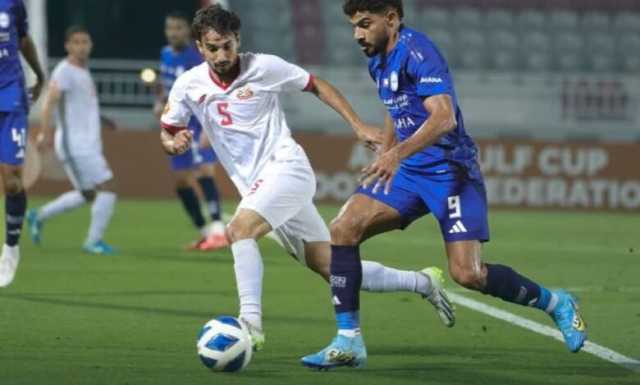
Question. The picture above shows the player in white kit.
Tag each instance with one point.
(78, 144)
(235, 97)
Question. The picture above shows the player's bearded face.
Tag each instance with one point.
(220, 51)
(370, 31)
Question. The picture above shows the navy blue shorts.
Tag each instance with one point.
(458, 202)
(13, 136)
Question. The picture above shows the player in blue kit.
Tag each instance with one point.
(14, 107)
(198, 163)
(427, 164)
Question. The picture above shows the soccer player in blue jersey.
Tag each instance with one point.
(427, 164)
(14, 107)
(198, 163)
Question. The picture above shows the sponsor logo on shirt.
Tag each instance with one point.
(431, 79)
(4, 20)
(394, 81)
(245, 93)
(397, 102)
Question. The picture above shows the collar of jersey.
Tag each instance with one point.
(218, 83)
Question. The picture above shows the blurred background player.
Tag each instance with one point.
(428, 164)
(14, 107)
(236, 97)
(78, 144)
(198, 162)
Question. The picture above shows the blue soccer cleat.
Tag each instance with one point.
(35, 226)
(568, 319)
(343, 351)
(99, 248)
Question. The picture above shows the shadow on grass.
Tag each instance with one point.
(50, 299)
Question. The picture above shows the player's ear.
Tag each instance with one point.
(391, 17)
(238, 39)
(200, 47)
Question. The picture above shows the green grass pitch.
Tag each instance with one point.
(70, 318)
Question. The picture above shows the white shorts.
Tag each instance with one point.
(283, 195)
(86, 171)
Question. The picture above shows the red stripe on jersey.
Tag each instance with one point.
(311, 84)
(171, 129)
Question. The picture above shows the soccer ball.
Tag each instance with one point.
(224, 345)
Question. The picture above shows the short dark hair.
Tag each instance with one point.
(72, 30)
(351, 7)
(178, 15)
(217, 18)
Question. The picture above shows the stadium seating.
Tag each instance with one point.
(532, 36)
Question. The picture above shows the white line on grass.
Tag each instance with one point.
(589, 347)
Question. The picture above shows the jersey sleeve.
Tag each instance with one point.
(22, 25)
(280, 75)
(61, 78)
(430, 71)
(177, 113)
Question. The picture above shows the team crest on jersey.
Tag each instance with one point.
(4, 20)
(245, 93)
(394, 81)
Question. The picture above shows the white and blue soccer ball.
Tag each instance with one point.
(224, 345)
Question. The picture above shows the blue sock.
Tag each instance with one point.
(191, 205)
(348, 320)
(346, 278)
(14, 207)
(211, 195)
(503, 282)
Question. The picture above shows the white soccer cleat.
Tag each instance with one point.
(9, 264)
(438, 296)
(257, 335)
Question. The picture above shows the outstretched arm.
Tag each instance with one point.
(334, 99)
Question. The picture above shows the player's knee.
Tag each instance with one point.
(13, 186)
(13, 183)
(467, 278)
(237, 231)
(346, 231)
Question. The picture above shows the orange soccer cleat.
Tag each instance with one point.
(213, 242)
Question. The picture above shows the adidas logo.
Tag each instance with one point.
(458, 228)
(336, 301)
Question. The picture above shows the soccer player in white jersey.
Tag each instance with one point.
(78, 144)
(235, 97)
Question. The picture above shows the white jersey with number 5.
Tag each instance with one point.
(244, 121)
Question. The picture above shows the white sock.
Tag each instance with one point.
(249, 271)
(217, 227)
(379, 278)
(65, 202)
(101, 212)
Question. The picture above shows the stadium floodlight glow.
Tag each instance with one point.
(148, 75)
